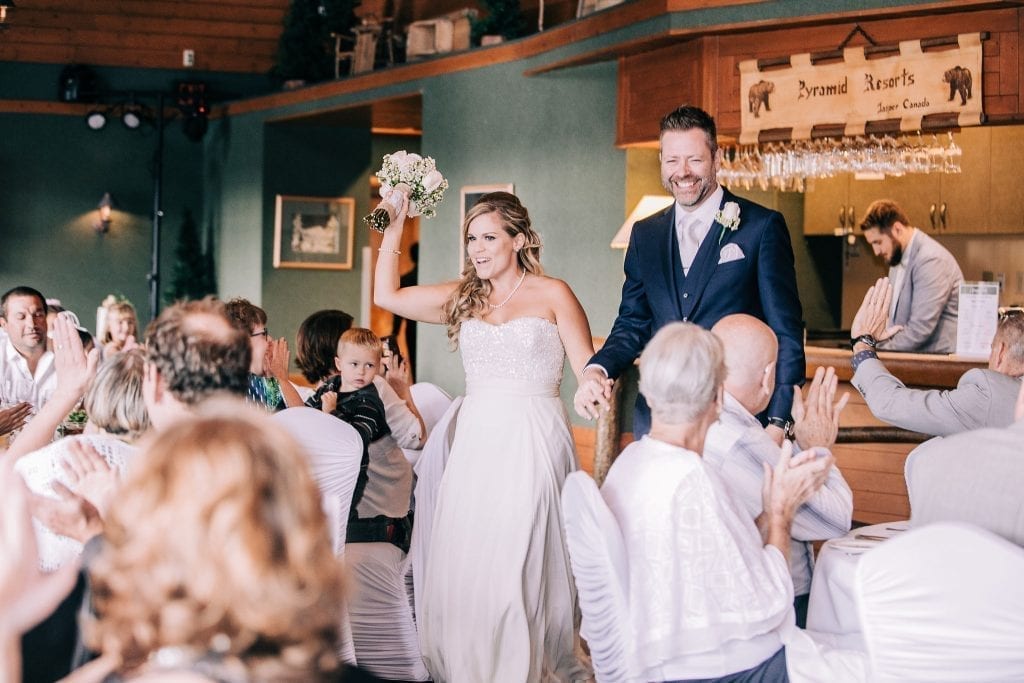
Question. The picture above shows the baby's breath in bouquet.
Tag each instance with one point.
(413, 176)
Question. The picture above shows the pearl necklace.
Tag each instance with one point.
(510, 294)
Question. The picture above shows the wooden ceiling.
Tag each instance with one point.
(234, 36)
(237, 36)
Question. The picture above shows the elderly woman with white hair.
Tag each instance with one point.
(709, 589)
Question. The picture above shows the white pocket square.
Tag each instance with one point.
(730, 252)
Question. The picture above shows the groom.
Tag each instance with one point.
(707, 256)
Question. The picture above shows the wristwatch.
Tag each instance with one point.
(864, 339)
(785, 425)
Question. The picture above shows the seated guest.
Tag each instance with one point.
(116, 418)
(709, 589)
(316, 347)
(974, 477)
(738, 447)
(26, 367)
(982, 398)
(269, 386)
(121, 328)
(379, 526)
(231, 580)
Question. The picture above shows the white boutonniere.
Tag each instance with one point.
(729, 218)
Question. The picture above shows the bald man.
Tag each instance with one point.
(737, 446)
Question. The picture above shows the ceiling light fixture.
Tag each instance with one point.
(96, 119)
(131, 117)
(4, 6)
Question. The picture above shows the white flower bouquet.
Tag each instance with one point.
(410, 175)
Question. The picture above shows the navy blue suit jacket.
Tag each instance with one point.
(762, 284)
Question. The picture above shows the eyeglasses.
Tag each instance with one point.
(261, 333)
(1010, 312)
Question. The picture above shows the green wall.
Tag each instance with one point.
(53, 171)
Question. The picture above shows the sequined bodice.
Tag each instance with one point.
(521, 349)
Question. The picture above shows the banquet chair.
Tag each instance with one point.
(943, 603)
(432, 401)
(599, 564)
(334, 449)
(983, 490)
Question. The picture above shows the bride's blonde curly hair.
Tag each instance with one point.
(469, 300)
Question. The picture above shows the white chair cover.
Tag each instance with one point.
(334, 449)
(429, 469)
(432, 401)
(943, 603)
(984, 489)
(599, 565)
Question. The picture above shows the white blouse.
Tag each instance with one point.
(707, 598)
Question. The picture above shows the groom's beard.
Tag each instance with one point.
(706, 185)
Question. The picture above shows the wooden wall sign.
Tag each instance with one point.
(907, 86)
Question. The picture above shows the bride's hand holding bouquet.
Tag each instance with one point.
(407, 176)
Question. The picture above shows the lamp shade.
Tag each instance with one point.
(648, 205)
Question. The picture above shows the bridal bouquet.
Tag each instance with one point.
(413, 176)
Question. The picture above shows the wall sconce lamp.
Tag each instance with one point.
(648, 205)
(4, 6)
(103, 211)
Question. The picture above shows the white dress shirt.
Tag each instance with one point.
(736, 446)
(707, 598)
(703, 216)
(17, 384)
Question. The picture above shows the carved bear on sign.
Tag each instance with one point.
(960, 82)
(758, 95)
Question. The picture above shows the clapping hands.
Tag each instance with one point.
(816, 418)
(873, 314)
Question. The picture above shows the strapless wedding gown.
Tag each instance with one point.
(498, 598)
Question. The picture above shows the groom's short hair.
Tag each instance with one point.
(688, 117)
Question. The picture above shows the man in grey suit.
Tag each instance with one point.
(926, 281)
(973, 477)
(982, 398)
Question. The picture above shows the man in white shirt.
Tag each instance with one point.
(27, 374)
(926, 281)
(738, 448)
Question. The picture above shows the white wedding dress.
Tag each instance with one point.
(498, 599)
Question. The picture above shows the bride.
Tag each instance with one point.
(499, 601)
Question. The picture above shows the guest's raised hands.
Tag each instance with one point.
(90, 475)
(74, 367)
(873, 314)
(13, 417)
(69, 514)
(816, 418)
(275, 359)
(26, 594)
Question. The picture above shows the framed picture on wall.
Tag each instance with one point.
(470, 195)
(314, 232)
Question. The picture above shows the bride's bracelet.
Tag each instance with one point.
(384, 250)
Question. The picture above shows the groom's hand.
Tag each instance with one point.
(593, 394)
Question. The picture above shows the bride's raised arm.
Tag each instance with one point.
(424, 303)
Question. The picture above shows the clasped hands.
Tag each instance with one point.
(594, 394)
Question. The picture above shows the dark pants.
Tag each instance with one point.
(800, 603)
(771, 670)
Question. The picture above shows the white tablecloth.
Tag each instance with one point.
(833, 606)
